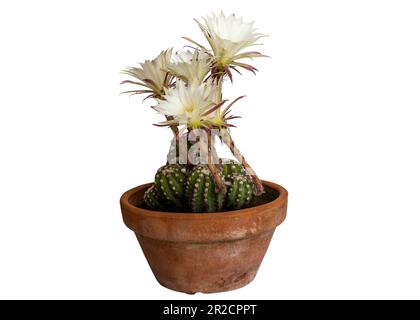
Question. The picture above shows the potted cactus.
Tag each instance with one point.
(205, 223)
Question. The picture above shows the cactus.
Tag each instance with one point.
(170, 181)
(230, 168)
(240, 192)
(153, 199)
(192, 188)
(201, 191)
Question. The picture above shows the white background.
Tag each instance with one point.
(333, 116)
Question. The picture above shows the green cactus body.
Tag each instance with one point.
(170, 181)
(153, 199)
(201, 191)
(231, 167)
(195, 190)
(240, 192)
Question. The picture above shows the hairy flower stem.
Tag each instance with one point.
(220, 87)
(227, 139)
(211, 160)
(212, 157)
(175, 131)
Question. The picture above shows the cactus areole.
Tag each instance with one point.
(205, 222)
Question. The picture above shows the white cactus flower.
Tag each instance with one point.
(189, 105)
(190, 66)
(152, 74)
(228, 36)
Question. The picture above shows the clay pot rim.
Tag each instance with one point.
(125, 201)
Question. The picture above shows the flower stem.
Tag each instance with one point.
(212, 158)
(227, 139)
(220, 87)
(175, 131)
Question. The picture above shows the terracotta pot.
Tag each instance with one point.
(206, 252)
